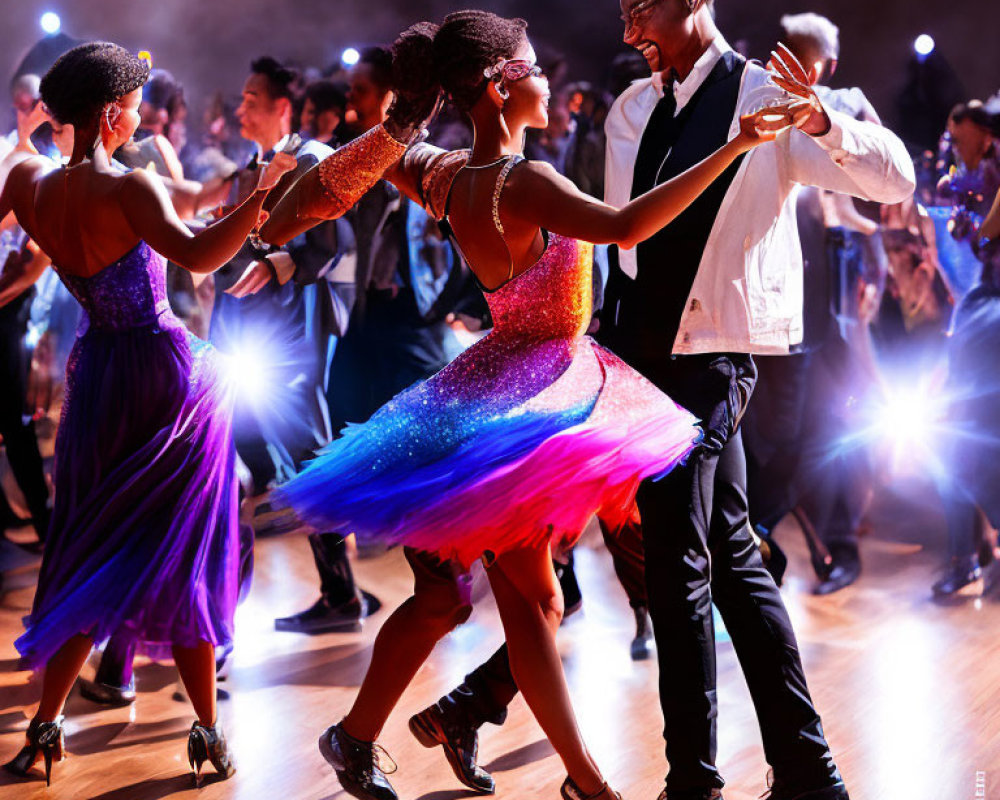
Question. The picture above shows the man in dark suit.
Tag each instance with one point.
(396, 334)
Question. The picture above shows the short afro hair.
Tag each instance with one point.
(88, 77)
(281, 80)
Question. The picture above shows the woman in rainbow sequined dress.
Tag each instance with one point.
(516, 444)
(143, 543)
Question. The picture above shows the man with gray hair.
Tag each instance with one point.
(803, 398)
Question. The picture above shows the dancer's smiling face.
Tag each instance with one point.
(528, 89)
(658, 27)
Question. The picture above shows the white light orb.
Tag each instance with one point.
(50, 22)
(924, 45)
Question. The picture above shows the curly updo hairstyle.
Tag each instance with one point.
(88, 77)
(452, 57)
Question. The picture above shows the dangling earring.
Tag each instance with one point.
(111, 126)
(503, 92)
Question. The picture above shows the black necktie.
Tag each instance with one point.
(658, 139)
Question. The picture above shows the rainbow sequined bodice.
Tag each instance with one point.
(552, 299)
(129, 293)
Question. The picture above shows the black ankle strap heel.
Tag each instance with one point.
(46, 740)
(209, 744)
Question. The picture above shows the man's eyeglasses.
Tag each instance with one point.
(639, 12)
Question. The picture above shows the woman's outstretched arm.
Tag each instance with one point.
(152, 216)
(333, 186)
(537, 194)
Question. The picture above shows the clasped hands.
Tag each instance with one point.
(807, 113)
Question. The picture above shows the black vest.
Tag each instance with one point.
(642, 317)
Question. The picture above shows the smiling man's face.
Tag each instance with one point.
(655, 27)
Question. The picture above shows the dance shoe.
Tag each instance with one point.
(570, 791)
(209, 744)
(431, 727)
(572, 596)
(108, 694)
(840, 577)
(836, 792)
(326, 617)
(357, 765)
(46, 740)
(642, 644)
(961, 573)
(706, 794)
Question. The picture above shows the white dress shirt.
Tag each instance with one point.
(747, 294)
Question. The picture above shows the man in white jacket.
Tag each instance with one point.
(688, 308)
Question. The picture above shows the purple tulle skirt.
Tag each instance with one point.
(144, 540)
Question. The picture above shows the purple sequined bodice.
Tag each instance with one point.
(129, 293)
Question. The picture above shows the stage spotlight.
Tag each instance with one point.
(350, 57)
(50, 22)
(924, 45)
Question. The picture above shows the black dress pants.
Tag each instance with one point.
(699, 550)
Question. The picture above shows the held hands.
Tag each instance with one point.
(788, 73)
(765, 125)
(275, 170)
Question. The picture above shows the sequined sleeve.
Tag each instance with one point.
(432, 172)
(355, 168)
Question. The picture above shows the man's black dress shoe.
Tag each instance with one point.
(836, 792)
(432, 727)
(962, 572)
(357, 765)
(324, 617)
(107, 694)
(840, 577)
(707, 794)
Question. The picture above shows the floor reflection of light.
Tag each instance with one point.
(596, 656)
(911, 712)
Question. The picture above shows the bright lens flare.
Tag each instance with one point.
(350, 57)
(909, 421)
(924, 45)
(50, 22)
(248, 370)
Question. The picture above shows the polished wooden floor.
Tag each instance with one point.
(909, 690)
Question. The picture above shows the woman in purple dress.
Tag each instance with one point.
(143, 542)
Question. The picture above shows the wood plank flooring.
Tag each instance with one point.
(909, 690)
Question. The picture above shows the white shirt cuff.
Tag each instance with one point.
(283, 266)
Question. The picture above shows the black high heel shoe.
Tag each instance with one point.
(45, 740)
(209, 744)
(570, 791)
